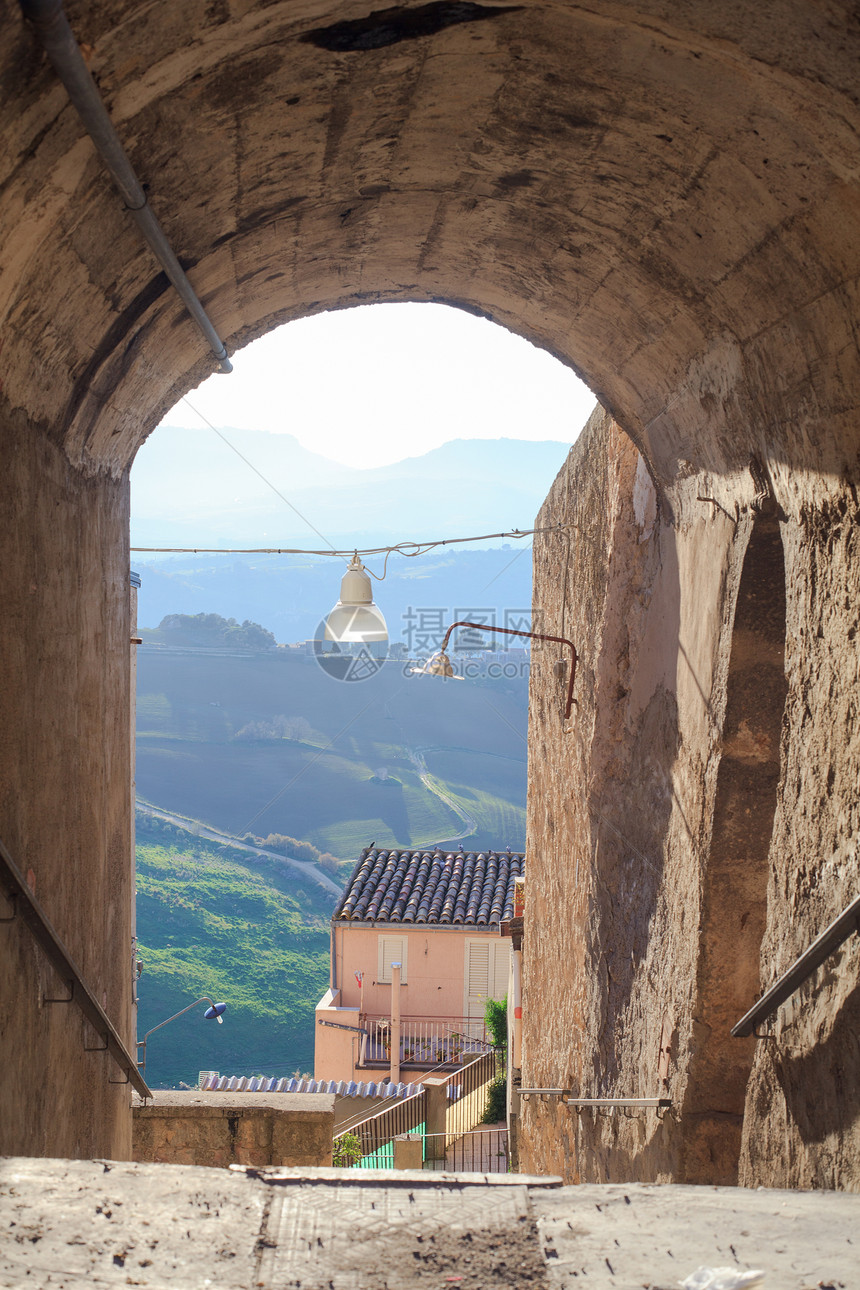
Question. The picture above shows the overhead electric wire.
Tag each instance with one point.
(408, 549)
(257, 472)
(400, 548)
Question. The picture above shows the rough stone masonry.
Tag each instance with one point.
(665, 197)
(692, 828)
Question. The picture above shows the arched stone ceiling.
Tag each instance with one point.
(665, 195)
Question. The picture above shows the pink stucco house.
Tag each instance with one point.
(438, 914)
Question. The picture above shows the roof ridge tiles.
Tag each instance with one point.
(431, 885)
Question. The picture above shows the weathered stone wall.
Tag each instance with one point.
(65, 808)
(802, 1127)
(663, 196)
(294, 1129)
(699, 800)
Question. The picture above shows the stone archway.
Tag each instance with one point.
(648, 196)
(664, 200)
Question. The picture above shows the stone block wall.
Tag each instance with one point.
(65, 802)
(294, 1129)
(692, 828)
(679, 223)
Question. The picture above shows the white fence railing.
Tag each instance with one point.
(369, 1143)
(424, 1041)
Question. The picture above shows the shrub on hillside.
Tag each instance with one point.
(293, 848)
(212, 629)
(153, 827)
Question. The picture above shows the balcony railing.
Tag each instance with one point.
(425, 1042)
(377, 1133)
(369, 1144)
(467, 1094)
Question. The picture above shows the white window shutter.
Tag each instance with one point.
(501, 969)
(392, 949)
(477, 970)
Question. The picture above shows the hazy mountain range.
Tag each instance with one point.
(190, 489)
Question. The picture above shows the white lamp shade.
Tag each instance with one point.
(355, 619)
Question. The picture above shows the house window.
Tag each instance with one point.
(392, 949)
(487, 965)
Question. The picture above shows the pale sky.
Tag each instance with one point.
(372, 385)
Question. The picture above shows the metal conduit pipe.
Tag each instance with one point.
(58, 41)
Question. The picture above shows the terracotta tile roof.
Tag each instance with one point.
(475, 888)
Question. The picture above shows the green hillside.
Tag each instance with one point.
(268, 743)
(210, 921)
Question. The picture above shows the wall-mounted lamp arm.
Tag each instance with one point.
(141, 1043)
(535, 636)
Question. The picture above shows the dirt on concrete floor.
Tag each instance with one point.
(488, 1259)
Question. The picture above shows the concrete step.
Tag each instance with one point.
(78, 1224)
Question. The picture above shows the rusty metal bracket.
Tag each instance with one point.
(568, 1098)
(70, 999)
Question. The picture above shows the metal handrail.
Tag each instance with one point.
(27, 908)
(572, 1099)
(377, 1132)
(483, 1151)
(801, 969)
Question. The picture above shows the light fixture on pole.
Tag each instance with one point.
(355, 619)
(440, 664)
(213, 1012)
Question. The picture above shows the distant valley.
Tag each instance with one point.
(249, 739)
(358, 767)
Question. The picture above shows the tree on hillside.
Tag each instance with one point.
(256, 637)
(212, 629)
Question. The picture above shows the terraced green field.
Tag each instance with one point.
(350, 779)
